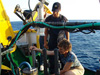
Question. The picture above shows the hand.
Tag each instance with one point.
(24, 23)
(34, 48)
(46, 46)
(61, 72)
(31, 47)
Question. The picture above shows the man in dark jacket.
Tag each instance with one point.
(55, 34)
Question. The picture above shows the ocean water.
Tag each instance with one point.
(85, 46)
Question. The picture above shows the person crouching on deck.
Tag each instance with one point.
(72, 65)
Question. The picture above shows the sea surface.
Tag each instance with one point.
(85, 46)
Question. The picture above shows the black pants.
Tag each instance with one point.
(41, 40)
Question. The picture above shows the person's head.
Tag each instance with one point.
(56, 8)
(64, 46)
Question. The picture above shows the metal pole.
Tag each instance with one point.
(0, 58)
(41, 11)
(57, 62)
(5, 52)
(33, 58)
(40, 31)
(46, 70)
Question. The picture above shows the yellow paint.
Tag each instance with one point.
(35, 15)
(37, 39)
(5, 26)
(47, 9)
(5, 67)
(29, 30)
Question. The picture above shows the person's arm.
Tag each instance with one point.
(66, 32)
(40, 50)
(66, 68)
(45, 38)
(67, 35)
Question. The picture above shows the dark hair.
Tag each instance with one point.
(65, 44)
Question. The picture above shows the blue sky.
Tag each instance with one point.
(72, 9)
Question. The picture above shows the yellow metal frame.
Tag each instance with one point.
(5, 67)
(5, 27)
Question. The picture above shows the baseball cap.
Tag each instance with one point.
(56, 6)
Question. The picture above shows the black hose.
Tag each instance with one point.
(29, 4)
(23, 31)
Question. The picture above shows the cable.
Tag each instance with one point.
(30, 8)
(90, 31)
(42, 24)
(29, 4)
(25, 63)
(11, 64)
